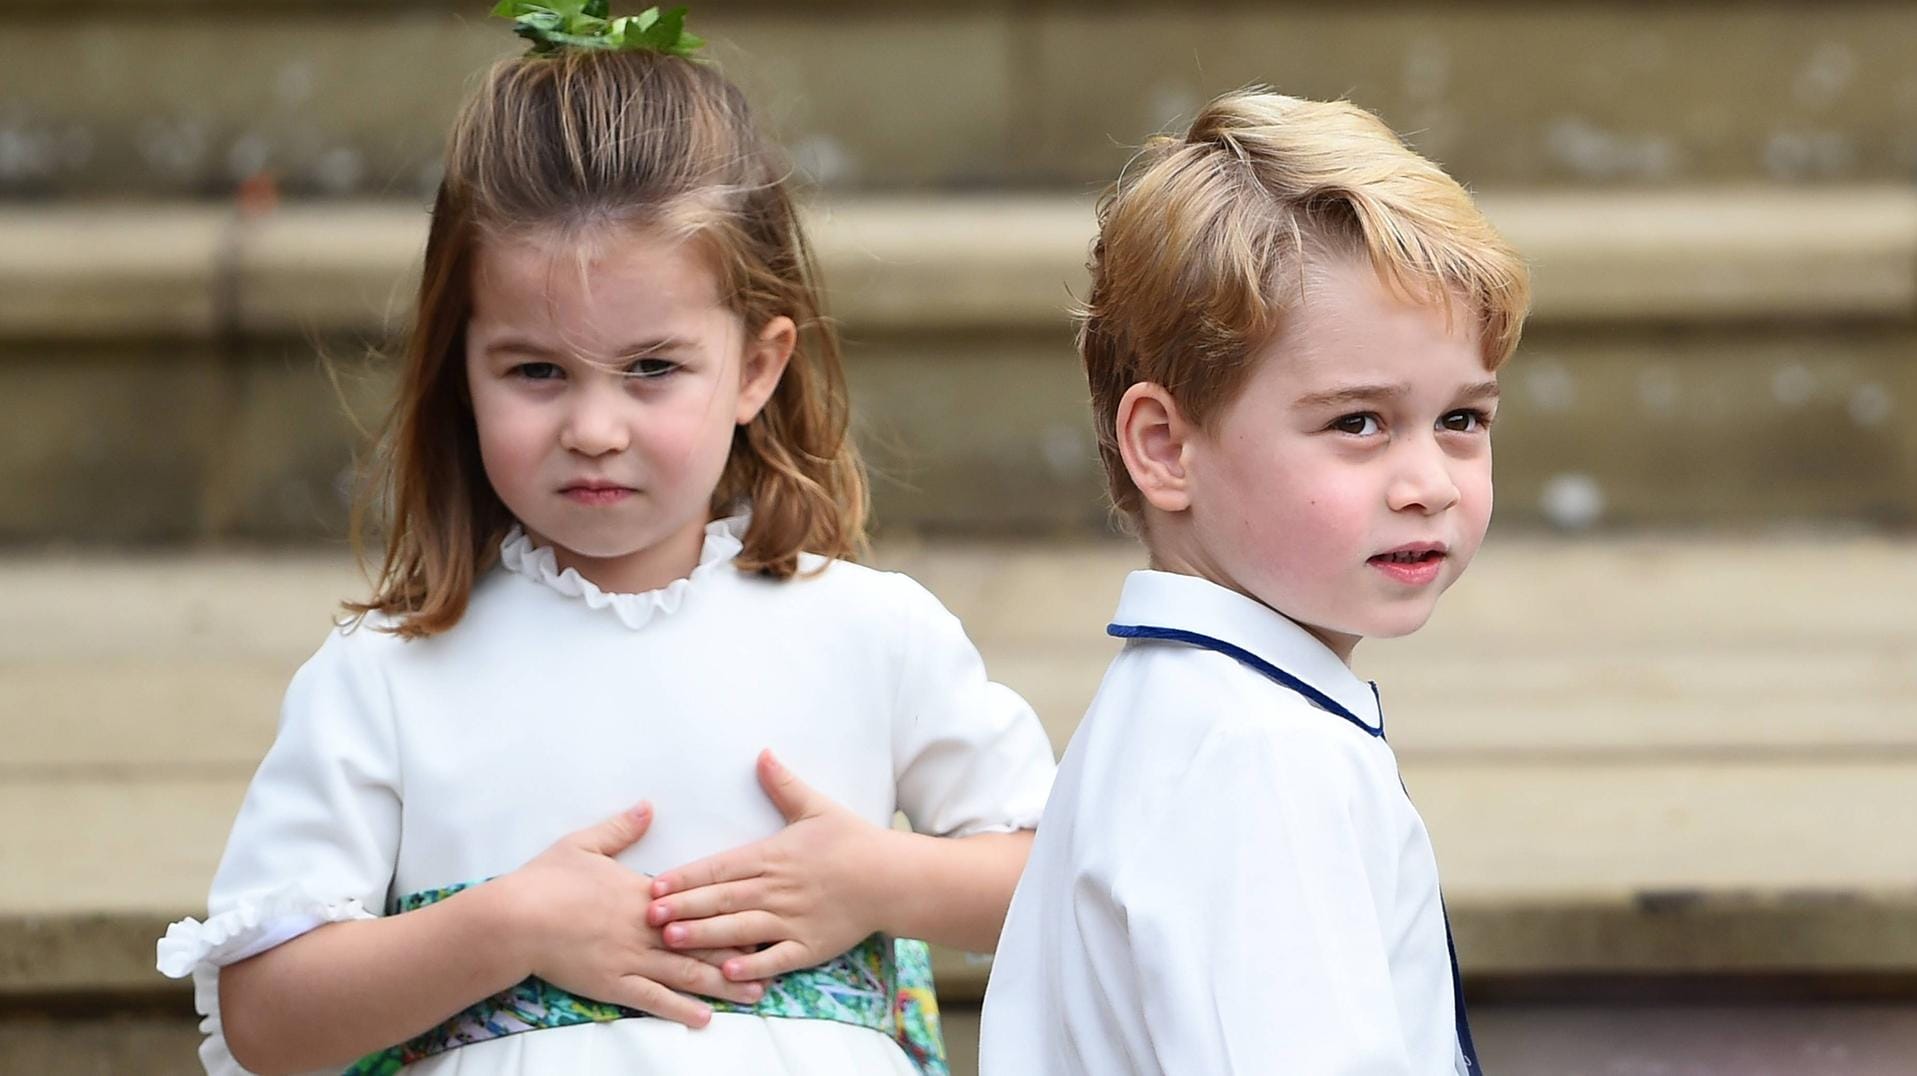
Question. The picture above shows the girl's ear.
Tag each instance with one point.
(1153, 438)
(763, 364)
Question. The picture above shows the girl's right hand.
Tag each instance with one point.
(581, 925)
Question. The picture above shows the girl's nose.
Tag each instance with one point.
(594, 427)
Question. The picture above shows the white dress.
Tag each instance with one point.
(1229, 878)
(406, 766)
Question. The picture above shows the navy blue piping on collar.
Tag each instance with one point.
(1250, 660)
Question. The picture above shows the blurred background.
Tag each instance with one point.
(1664, 733)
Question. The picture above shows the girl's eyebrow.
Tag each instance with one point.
(518, 345)
(654, 346)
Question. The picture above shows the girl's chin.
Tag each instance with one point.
(615, 540)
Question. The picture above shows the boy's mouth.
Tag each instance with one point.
(1414, 564)
(1410, 558)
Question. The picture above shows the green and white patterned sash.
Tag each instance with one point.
(882, 983)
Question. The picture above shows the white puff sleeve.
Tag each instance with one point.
(968, 755)
(317, 835)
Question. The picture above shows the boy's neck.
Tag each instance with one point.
(1194, 562)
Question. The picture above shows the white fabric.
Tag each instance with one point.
(553, 705)
(1227, 879)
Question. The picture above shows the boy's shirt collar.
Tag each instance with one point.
(1172, 602)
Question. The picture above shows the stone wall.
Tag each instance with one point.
(351, 98)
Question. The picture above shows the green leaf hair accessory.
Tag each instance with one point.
(586, 24)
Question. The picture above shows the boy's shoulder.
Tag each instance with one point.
(1185, 748)
(1177, 731)
(1216, 696)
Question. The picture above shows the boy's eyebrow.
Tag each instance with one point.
(1482, 390)
(1353, 394)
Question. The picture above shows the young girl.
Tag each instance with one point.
(618, 453)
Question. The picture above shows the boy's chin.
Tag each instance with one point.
(1393, 621)
(1396, 624)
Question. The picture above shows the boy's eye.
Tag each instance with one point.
(1468, 420)
(1362, 425)
(537, 371)
(649, 369)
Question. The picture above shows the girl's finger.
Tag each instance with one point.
(793, 797)
(716, 957)
(639, 992)
(739, 929)
(615, 834)
(686, 973)
(706, 902)
(769, 963)
(735, 865)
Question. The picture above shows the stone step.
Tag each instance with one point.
(1644, 757)
(1709, 358)
(1690, 657)
(353, 98)
(84, 271)
(1630, 1037)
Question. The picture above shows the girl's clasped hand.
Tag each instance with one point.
(720, 927)
(804, 895)
(583, 928)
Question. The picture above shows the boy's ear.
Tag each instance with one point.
(763, 364)
(1152, 438)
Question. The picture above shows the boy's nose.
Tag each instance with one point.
(1423, 484)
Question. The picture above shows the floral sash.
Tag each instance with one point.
(881, 983)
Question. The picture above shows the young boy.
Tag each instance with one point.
(1292, 340)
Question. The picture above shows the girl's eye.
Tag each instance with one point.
(537, 371)
(651, 369)
(1468, 420)
(1362, 425)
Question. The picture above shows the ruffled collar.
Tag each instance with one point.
(518, 554)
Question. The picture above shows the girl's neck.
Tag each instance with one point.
(652, 568)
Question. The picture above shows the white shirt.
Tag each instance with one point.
(1228, 879)
(406, 766)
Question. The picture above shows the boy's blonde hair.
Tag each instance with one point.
(1204, 241)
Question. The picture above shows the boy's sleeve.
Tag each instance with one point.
(1252, 921)
(317, 835)
(968, 755)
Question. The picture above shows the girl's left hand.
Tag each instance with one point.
(808, 893)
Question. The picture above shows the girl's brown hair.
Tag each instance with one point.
(591, 144)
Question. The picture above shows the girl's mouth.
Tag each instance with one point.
(596, 496)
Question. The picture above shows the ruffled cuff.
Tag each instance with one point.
(251, 927)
